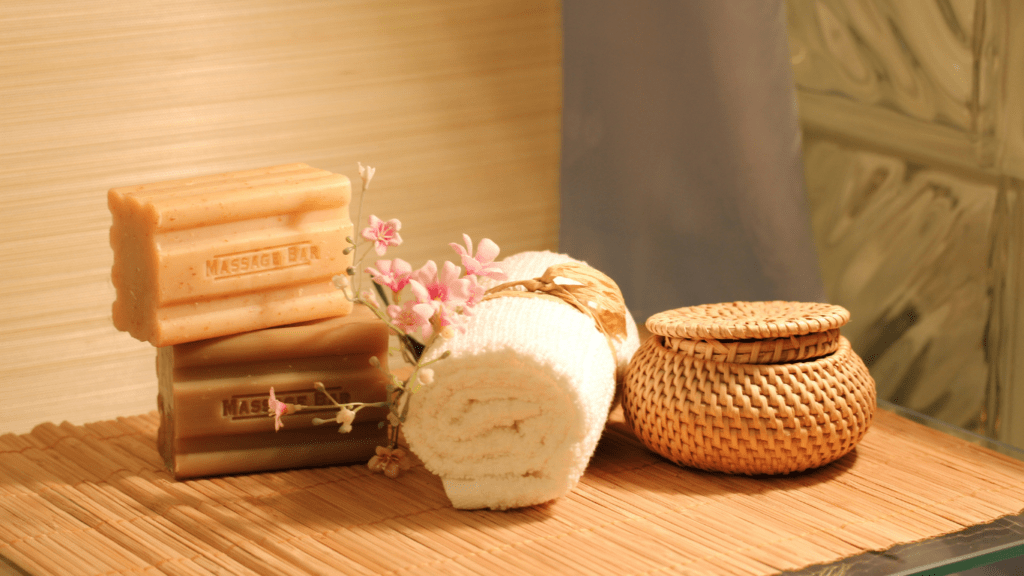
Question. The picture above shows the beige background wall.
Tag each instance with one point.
(457, 104)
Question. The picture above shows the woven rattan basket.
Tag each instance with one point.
(749, 387)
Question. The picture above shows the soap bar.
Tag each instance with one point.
(214, 394)
(230, 253)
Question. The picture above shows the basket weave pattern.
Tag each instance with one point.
(770, 351)
(738, 320)
(748, 418)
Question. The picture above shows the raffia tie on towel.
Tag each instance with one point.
(584, 288)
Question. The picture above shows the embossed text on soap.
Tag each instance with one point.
(254, 261)
(246, 406)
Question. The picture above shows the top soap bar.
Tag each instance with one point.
(230, 253)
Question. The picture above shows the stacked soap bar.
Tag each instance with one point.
(214, 394)
(230, 276)
(217, 255)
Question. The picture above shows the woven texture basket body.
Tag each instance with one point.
(748, 418)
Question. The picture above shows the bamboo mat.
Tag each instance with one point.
(94, 499)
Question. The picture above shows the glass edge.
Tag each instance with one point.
(967, 561)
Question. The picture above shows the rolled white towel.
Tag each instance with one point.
(514, 414)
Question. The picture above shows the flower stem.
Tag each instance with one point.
(355, 232)
(446, 354)
(382, 294)
(393, 441)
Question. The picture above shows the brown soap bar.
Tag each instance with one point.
(230, 253)
(214, 394)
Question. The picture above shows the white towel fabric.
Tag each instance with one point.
(514, 414)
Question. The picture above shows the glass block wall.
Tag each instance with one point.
(913, 133)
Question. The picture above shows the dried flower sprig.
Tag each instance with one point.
(418, 306)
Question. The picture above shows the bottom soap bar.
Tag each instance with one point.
(214, 395)
(261, 452)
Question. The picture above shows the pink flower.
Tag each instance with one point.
(390, 461)
(444, 289)
(448, 321)
(412, 317)
(383, 234)
(394, 274)
(483, 263)
(276, 409)
(345, 418)
(476, 294)
(370, 298)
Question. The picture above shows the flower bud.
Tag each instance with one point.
(426, 376)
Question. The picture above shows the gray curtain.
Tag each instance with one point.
(681, 168)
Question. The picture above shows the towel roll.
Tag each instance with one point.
(514, 414)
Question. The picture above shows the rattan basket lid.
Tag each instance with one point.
(744, 320)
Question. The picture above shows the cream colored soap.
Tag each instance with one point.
(230, 253)
(214, 395)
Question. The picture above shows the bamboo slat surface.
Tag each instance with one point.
(94, 499)
(456, 102)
